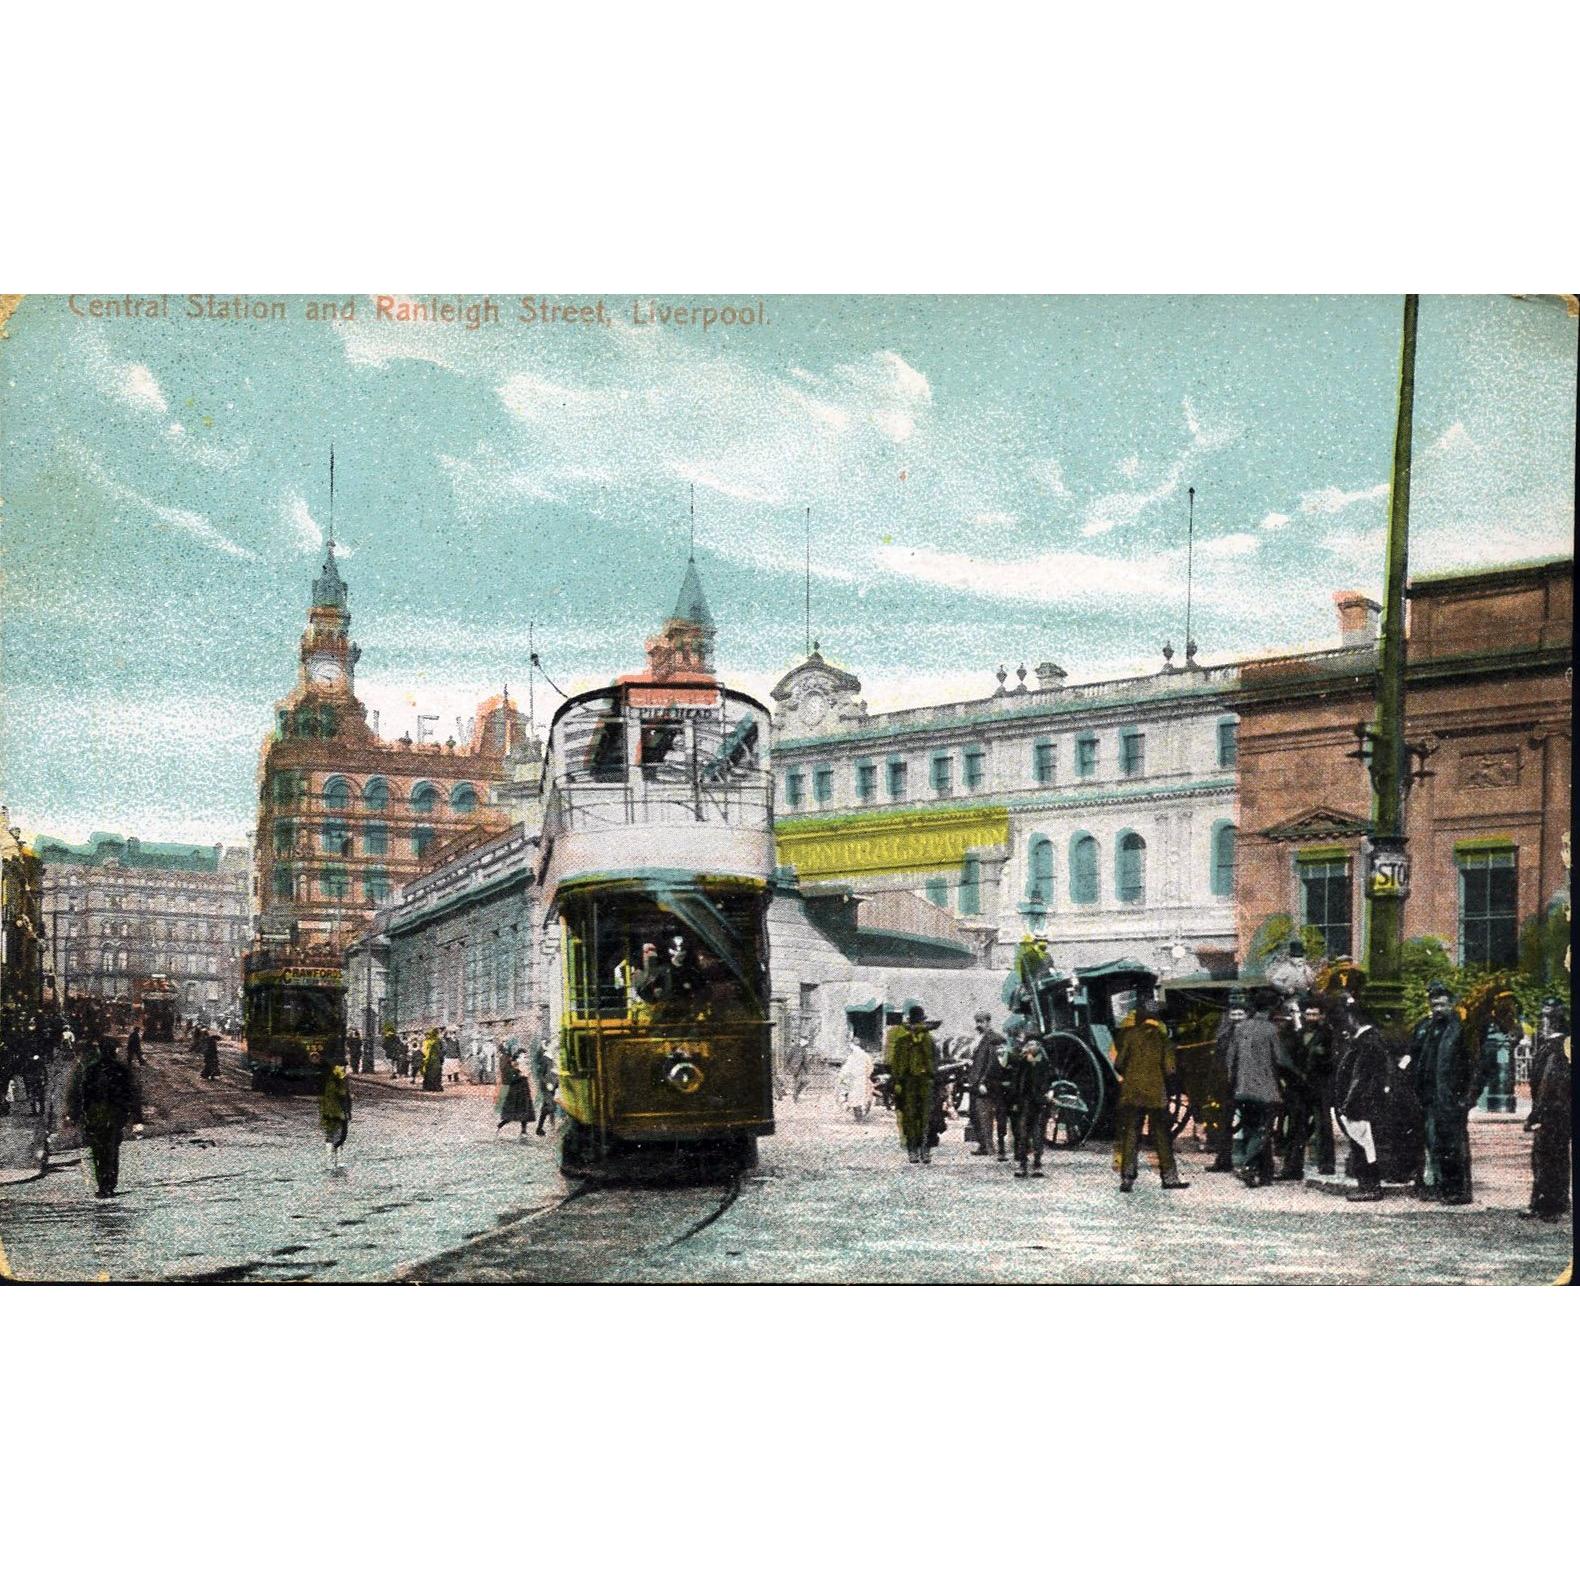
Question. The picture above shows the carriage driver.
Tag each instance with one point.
(675, 988)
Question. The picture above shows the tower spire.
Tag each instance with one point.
(1190, 566)
(331, 501)
(809, 581)
(692, 551)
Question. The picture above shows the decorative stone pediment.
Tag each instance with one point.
(1321, 822)
(815, 694)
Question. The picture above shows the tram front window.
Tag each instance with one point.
(691, 958)
(293, 1012)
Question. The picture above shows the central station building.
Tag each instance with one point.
(1102, 816)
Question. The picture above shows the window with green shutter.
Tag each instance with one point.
(866, 781)
(1083, 870)
(971, 887)
(1042, 762)
(1086, 756)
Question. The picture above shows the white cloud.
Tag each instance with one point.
(131, 383)
(486, 480)
(1331, 500)
(1233, 546)
(1120, 509)
(899, 425)
(1051, 475)
(1454, 438)
(172, 518)
(731, 488)
(1203, 437)
(1046, 578)
(1272, 521)
(138, 387)
(1130, 467)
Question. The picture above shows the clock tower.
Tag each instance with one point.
(816, 696)
(328, 656)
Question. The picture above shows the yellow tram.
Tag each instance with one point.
(657, 859)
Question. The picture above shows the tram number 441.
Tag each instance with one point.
(1388, 874)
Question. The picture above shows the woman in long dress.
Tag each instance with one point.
(515, 1094)
(432, 1062)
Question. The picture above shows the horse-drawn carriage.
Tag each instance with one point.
(1077, 1017)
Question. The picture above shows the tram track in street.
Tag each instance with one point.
(603, 1242)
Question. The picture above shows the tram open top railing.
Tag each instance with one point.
(687, 759)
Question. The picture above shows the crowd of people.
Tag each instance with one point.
(1289, 1072)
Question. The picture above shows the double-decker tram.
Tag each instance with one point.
(295, 1010)
(657, 856)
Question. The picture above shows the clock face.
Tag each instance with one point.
(324, 670)
(814, 707)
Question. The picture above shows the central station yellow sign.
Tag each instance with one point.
(863, 845)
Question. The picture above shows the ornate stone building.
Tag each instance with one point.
(123, 908)
(1489, 696)
(345, 817)
(1101, 815)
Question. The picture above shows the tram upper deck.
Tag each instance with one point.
(649, 779)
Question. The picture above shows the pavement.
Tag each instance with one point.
(432, 1192)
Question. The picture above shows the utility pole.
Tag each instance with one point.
(1387, 883)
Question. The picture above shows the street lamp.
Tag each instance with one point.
(1386, 752)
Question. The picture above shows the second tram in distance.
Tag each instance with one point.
(657, 861)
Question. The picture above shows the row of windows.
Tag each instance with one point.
(149, 965)
(1132, 759)
(1488, 904)
(159, 932)
(290, 786)
(488, 976)
(333, 884)
(335, 839)
(1085, 868)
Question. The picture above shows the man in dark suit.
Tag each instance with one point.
(675, 988)
(986, 1078)
(1445, 1079)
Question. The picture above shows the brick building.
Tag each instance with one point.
(1488, 693)
(122, 908)
(345, 817)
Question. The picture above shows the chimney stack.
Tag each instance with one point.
(1050, 677)
(1357, 619)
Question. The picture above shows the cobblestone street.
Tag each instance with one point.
(432, 1193)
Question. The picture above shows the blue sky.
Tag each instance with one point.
(990, 480)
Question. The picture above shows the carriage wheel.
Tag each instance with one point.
(1078, 1093)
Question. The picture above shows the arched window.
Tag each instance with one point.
(1039, 870)
(971, 887)
(376, 795)
(336, 837)
(1083, 870)
(1130, 869)
(424, 798)
(337, 794)
(463, 799)
(326, 721)
(1223, 856)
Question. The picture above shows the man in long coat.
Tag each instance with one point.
(1446, 1080)
(1552, 1119)
(1361, 1074)
(102, 1098)
(1253, 1078)
(1145, 1065)
(913, 1059)
(986, 1078)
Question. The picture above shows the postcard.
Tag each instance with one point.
(753, 789)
